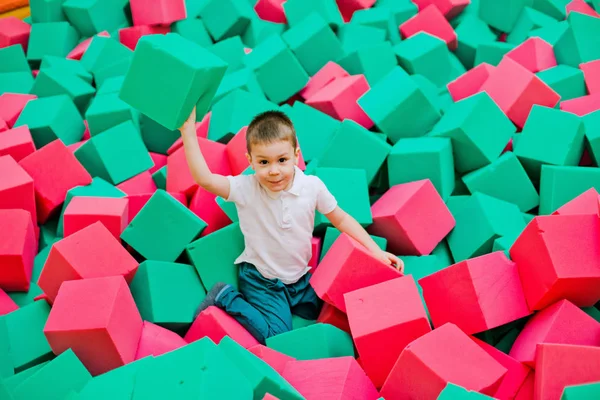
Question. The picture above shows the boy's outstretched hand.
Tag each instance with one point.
(391, 259)
(190, 123)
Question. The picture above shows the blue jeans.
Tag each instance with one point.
(265, 306)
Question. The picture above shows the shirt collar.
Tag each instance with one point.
(298, 182)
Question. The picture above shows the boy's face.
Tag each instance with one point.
(273, 164)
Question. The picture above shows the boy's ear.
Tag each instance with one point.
(297, 154)
(249, 158)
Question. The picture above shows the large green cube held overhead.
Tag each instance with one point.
(169, 75)
(163, 228)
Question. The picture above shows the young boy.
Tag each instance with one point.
(276, 207)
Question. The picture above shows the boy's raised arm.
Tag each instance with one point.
(214, 183)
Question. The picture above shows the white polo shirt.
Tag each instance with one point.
(278, 228)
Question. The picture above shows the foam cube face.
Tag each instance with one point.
(380, 329)
(226, 19)
(107, 111)
(313, 342)
(157, 12)
(182, 64)
(321, 78)
(113, 213)
(54, 81)
(92, 17)
(374, 61)
(96, 318)
(561, 323)
(470, 82)
(156, 340)
(585, 204)
(430, 20)
(559, 185)
(14, 31)
(11, 106)
(575, 47)
(54, 170)
(395, 98)
(343, 270)
(394, 218)
(297, 10)
(52, 118)
(215, 324)
(560, 251)
(484, 303)
(16, 188)
(502, 18)
(444, 355)
(586, 390)
(473, 143)
(17, 254)
(567, 81)
(92, 252)
(51, 38)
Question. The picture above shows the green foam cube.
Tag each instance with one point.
(167, 293)
(163, 228)
(374, 62)
(428, 158)
(12, 59)
(53, 82)
(214, 255)
(28, 343)
(592, 312)
(420, 267)
(430, 90)
(313, 42)
(157, 138)
(399, 107)
(111, 85)
(313, 342)
(426, 55)
(55, 379)
(591, 123)
(551, 33)
(529, 20)
(299, 322)
(579, 43)
(380, 18)
(567, 81)
(549, 136)
(554, 8)
(169, 75)
(107, 111)
(350, 188)
(455, 392)
(559, 185)
(24, 298)
(331, 235)
(16, 82)
(6, 363)
(115, 384)
(15, 380)
(261, 376)
(228, 208)
(50, 38)
(160, 178)
(480, 220)
(472, 32)
(47, 11)
(231, 51)
(258, 30)
(352, 146)
(479, 131)
(354, 37)
(297, 10)
(277, 69)
(492, 53)
(502, 15)
(505, 179)
(242, 79)
(193, 29)
(582, 392)
(226, 18)
(90, 17)
(51, 118)
(104, 56)
(74, 67)
(116, 155)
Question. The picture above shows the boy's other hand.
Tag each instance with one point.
(190, 123)
(391, 259)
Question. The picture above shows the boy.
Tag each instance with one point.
(276, 208)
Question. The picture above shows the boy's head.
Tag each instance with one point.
(272, 149)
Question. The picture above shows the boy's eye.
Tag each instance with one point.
(263, 162)
(282, 160)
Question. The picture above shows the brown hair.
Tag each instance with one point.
(270, 126)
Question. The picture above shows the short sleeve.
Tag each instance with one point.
(326, 202)
(240, 189)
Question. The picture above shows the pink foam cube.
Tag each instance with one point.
(139, 184)
(130, 36)
(562, 365)
(328, 73)
(516, 89)
(16, 188)
(444, 355)
(315, 245)
(330, 379)
(17, 143)
(138, 201)
(582, 105)
(348, 7)
(3, 126)
(476, 294)
(591, 72)
(11, 106)
(563, 323)
(450, 8)
(201, 131)
(216, 324)
(82, 47)
(156, 340)
(412, 217)
(582, 7)
(271, 10)
(236, 152)
(526, 390)
(18, 248)
(535, 54)
(73, 147)
(92, 252)
(160, 160)
(98, 319)
(348, 266)
(81, 212)
(157, 12)
(515, 375)
(381, 329)
(584, 204)
(179, 178)
(338, 99)
(470, 82)
(54, 170)
(558, 258)
(332, 316)
(14, 31)
(86, 134)
(275, 359)
(204, 205)
(7, 305)
(432, 21)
